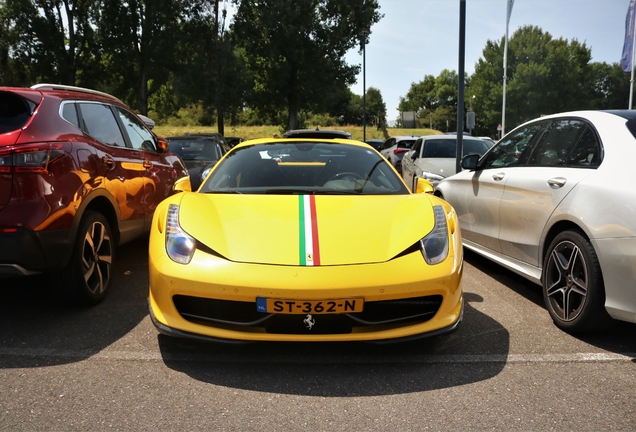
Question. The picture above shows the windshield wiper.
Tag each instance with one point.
(283, 191)
(223, 192)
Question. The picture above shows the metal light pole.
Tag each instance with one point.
(363, 41)
(460, 84)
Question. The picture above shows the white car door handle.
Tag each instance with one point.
(557, 182)
(498, 176)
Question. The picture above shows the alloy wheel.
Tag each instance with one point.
(566, 281)
(97, 257)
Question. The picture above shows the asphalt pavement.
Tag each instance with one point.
(506, 368)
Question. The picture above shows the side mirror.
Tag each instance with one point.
(162, 145)
(413, 155)
(469, 162)
(423, 186)
(182, 185)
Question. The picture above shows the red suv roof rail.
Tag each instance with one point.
(73, 88)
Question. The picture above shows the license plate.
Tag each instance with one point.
(316, 307)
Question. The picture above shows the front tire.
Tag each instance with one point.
(86, 279)
(572, 281)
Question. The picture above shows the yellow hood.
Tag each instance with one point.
(277, 229)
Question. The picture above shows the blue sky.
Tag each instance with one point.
(421, 37)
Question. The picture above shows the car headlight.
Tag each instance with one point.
(179, 245)
(435, 245)
(205, 173)
(432, 177)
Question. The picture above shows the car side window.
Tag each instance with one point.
(140, 137)
(510, 150)
(101, 124)
(556, 142)
(586, 152)
(388, 143)
(69, 113)
(225, 147)
(417, 147)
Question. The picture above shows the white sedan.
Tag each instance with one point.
(433, 157)
(554, 201)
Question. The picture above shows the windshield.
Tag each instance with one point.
(196, 149)
(302, 168)
(406, 143)
(445, 148)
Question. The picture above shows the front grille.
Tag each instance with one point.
(243, 315)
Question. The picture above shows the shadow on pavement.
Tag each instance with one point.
(348, 369)
(35, 326)
(619, 338)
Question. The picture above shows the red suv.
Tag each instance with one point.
(80, 173)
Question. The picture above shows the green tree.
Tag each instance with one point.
(352, 112)
(545, 76)
(141, 40)
(295, 50)
(376, 108)
(52, 40)
(211, 72)
(434, 99)
(610, 86)
(420, 96)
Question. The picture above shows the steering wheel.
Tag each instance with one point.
(346, 174)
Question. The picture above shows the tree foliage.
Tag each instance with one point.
(141, 40)
(434, 99)
(352, 112)
(545, 76)
(51, 40)
(295, 50)
(281, 63)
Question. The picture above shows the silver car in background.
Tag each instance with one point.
(394, 149)
(554, 201)
(433, 157)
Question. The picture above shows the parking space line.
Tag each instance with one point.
(600, 357)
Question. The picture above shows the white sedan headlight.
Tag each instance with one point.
(179, 245)
(205, 173)
(435, 244)
(432, 177)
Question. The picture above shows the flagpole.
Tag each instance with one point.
(631, 81)
(505, 71)
(629, 48)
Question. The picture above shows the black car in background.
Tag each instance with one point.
(317, 133)
(200, 152)
(375, 143)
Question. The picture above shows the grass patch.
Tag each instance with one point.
(251, 132)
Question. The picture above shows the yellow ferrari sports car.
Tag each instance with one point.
(305, 240)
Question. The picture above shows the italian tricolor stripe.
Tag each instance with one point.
(309, 247)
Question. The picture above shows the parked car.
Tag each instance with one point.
(277, 245)
(375, 143)
(491, 142)
(232, 141)
(80, 173)
(554, 201)
(394, 149)
(317, 133)
(199, 153)
(433, 157)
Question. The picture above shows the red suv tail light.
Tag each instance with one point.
(400, 150)
(34, 158)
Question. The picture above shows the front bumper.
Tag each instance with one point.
(208, 279)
